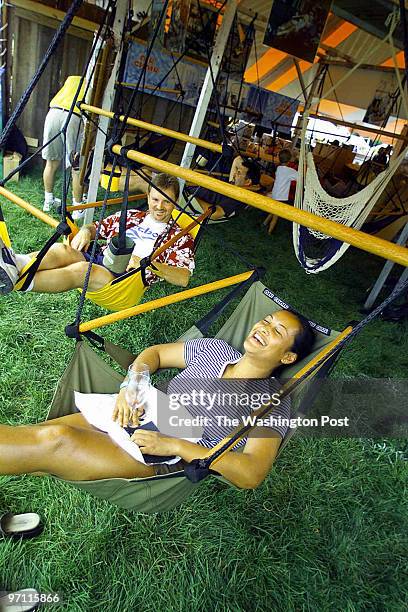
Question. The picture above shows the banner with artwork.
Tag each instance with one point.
(188, 74)
(296, 26)
(268, 108)
(379, 110)
(253, 104)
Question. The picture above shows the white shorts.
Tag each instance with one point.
(54, 122)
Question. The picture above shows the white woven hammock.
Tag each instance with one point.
(351, 211)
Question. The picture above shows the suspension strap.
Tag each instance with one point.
(58, 36)
(63, 229)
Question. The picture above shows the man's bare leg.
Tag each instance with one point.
(67, 451)
(59, 256)
(71, 277)
(51, 167)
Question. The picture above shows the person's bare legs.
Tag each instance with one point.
(64, 268)
(71, 277)
(51, 167)
(64, 449)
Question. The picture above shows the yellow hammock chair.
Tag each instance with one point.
(127, 290)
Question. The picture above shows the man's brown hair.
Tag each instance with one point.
(164, 182)
(285, 156)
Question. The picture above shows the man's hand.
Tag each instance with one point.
(155, 443)
(134, 262)
(123, 414)
(82, 239)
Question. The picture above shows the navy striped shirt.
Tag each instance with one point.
(224, 400)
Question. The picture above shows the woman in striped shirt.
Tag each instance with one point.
(73, 449)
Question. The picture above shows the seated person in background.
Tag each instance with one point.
(284, 176)
(64, 267)
(70, 447)
(383, 156)
(244, 173)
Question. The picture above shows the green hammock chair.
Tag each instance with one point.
(88, 373)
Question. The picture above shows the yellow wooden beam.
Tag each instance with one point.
(217, 148)
(357, 238)
(111, 202)
(39, 214)
(165, 301)
(28, 207)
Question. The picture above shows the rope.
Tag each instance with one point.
(58, 36)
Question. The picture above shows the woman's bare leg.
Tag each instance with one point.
(67, 451)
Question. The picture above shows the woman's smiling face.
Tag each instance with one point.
(273, 337)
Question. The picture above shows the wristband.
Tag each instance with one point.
(124, 384)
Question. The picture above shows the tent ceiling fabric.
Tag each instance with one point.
(276, 70)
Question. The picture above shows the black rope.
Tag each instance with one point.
(58, 36)
(94, 247)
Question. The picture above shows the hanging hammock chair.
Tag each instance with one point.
(127, 290)
(88, 373)
(317, 251)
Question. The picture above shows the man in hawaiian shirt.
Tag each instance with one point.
(64, 267)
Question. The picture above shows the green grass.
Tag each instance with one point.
(326, 531)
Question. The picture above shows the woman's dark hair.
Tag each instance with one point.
(304, 339)
(253, 170)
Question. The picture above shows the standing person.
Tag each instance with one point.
(284, 176)
(54, 152)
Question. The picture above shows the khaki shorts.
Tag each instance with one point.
(54, 122)
(169, 468)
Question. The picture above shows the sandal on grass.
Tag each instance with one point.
(25, 600)
(20, 526)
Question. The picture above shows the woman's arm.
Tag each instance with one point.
(245, 470)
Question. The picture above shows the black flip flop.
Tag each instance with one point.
(21, 526)
(19, 601)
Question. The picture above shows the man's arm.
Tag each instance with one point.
(172, 274)
(83, 238)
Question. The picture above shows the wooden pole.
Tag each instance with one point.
(165, 301)
(357, 238)
(154, 128)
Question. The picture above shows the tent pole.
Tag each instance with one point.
(208, 87)
(108, 98)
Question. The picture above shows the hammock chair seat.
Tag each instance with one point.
(88, 373)
(127, 291)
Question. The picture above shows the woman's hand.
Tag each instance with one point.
(123, 414)
(82, 239)
(155, 443)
